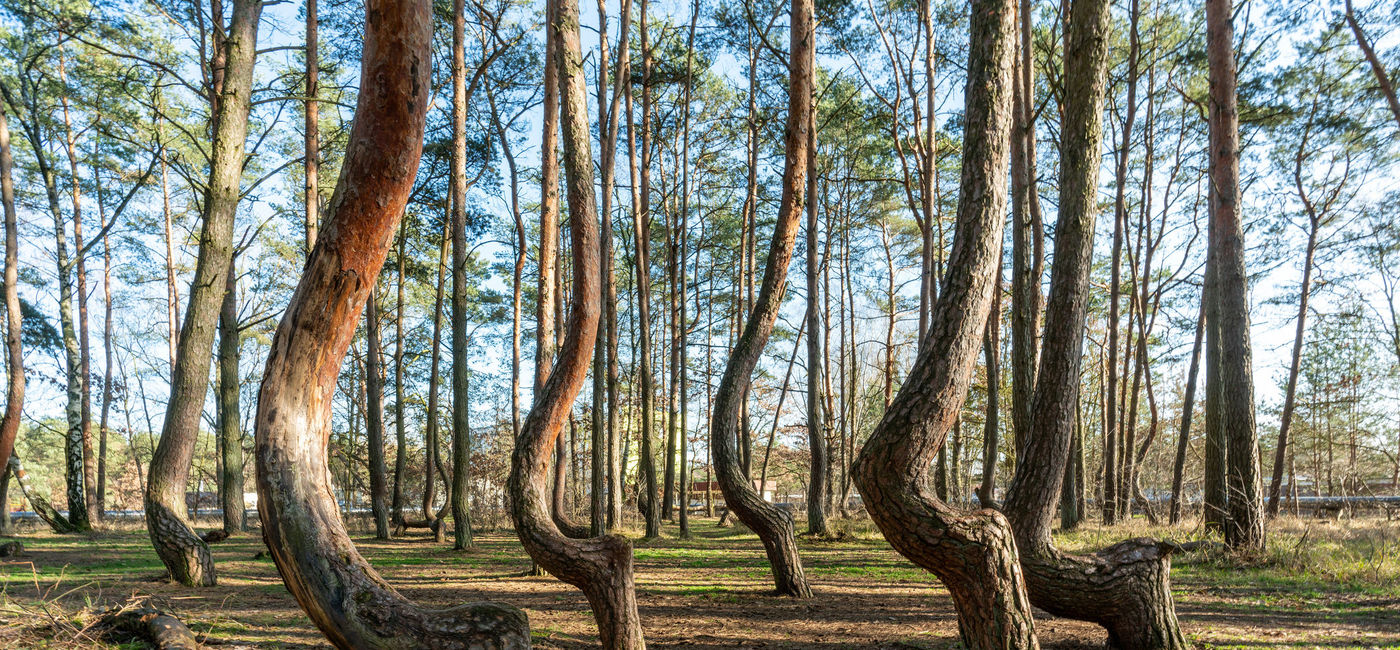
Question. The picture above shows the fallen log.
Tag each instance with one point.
(161, 630)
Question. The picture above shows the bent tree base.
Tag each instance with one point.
(180, 549)
(1126, 588)
(972, 553)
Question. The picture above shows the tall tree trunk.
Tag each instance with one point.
(14, 346)
(773, 525)
(374, 420)
(1183, 438)
(172, 288)
(184, 554)
(80, 270)
(432, 461)
(229, 415)
(641, 226)
(339, 590)
(683, 496)
(991, 346)
(107, 364)
(1213, 489)
(1377, 68)
(400, 431)
(1113, 452)
(461, 417)
(971, 552)
(312, 140)
(1295, 361)
(1126, 587)
(601, 566)
(1027, 238)
(545, 315)
(73, 438)
(816, 422)
(1244, 527)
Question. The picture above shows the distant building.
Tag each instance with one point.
(768, 491)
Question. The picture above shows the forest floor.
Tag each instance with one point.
(1322, 584)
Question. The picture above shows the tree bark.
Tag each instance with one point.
(312, 140)
(1183, 438)
(971, 552)
(773, 525)
(374, 420)
(1027, 239)
(816, 422)
(229, 415)
(1377, 68)
(1113, 452)
(339, 590)
(92, 513)
(1244, 527)
(184, 554)
(461, 416)
(601, 566)
(647, 498)
(991, 345)
(400, 426)
(1126, 587)
(545, 332)
(14, 345)
(1295, 361)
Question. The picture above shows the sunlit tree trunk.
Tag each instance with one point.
(1244, 527)
(971, 552)
(312, 127)
(374, 420)
(93, 513)
(773, 525)
(1188, 405)
(184, 554)
(461, 417)
(648, 499)
(14, 346)
(601, 566)
(339, 590)
(1126, 587)
(1383, 78)
(229, 414)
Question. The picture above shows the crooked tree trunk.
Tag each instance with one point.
(1125, 588)
(1244, 525)
(971, 552)
(545, 332)
(229, 416)
(773, 525)
(339, 590)
(432, 462)
(183, 552)
(600, 566)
